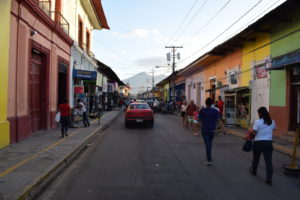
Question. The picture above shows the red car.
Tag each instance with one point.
(139, 113)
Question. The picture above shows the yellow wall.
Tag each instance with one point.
(4, 44)
(256, 55)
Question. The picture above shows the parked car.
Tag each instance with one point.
(139, 113)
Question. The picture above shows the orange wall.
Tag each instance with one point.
(219, 67)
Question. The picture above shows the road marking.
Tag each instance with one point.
(26, 160)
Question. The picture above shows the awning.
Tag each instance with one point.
(213, 89)
(280, 62)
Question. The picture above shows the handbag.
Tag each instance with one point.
(247, 146)
(57, 117)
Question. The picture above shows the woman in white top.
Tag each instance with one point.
(263, 130)
(183, 112)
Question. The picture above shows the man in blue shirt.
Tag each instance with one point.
(209, 117)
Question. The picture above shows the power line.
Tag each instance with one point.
(210, 20)
(256, 49)
(223, 31)
(185, 28)
(187, 14)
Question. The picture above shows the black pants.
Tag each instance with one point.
(64, 120)
(264, 147)
(85, 119)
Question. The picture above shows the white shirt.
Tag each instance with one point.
(183, 108)
(83, 108)
(264, 131)
(155, 103)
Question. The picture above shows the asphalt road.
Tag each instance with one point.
(167, 162)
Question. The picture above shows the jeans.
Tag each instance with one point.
(208, 137)
(266, 148)
(85, 119)
(64, 120)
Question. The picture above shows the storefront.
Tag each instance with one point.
(238, 107)
(86, 80)
(290, 64)
(180, 91)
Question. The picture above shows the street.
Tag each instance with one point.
(167, 162)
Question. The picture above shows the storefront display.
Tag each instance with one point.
(237, 107)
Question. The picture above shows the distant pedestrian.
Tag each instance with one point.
(65, 111)
(190, 113)
(84, 113)
(209, 117)
(183, 112)
(196, 123)
(155, 105)
(263, 130)
(221, 122)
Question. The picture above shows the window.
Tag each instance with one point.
(88, 47)
(80, 32)
(139, 106)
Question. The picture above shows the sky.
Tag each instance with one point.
(141, 29)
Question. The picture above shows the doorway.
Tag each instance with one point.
(37, 90)
(62, 82)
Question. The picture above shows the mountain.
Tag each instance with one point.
(140, 81)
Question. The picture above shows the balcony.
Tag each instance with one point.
(45, 5)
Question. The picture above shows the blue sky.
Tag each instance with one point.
(140, 30)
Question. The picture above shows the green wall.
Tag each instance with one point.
(281, 47)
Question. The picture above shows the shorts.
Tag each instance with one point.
(182, 114)
(195, 121)
(190, 119)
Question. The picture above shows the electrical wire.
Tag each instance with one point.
(186, 27)
(182, 22)
(208, 22)
(213, 40)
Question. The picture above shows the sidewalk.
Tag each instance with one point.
(27, 166)
(279, 144)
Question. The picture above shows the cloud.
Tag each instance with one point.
(150, 61)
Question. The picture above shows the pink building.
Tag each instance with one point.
(40, 49)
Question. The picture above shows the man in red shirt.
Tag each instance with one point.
(64, 109)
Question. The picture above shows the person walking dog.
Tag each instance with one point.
(263, 130)
(209, 117)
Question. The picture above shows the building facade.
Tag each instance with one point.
(39, 48)
(4, 67)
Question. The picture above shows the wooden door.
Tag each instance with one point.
(37, 88)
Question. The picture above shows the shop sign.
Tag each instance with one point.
(78, 89)
(84, 74)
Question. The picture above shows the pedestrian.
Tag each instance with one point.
(209, 117)
(65, 112)
(155, 105)
(84, 114)
(183, 112)
(221, 123)
(196, 123)
(190, 113)
(263, 130)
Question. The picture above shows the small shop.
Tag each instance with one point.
(180, 91)
(84, 86)
(238, 107)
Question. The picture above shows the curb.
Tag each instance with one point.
(276, 147)
(41, 182)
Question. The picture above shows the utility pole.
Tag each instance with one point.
(153, 78)
(173, 55)
(173, 66)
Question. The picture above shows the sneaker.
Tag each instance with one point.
(208, 163)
